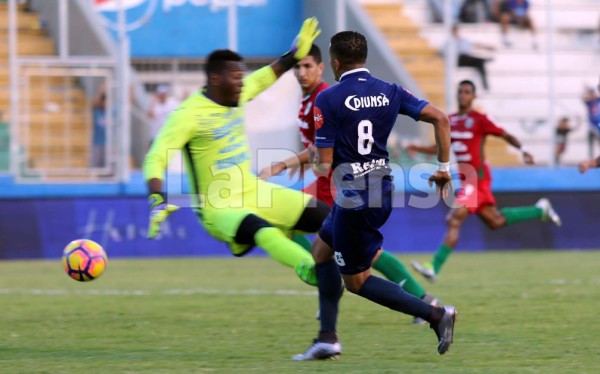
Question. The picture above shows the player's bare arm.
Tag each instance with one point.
(323, 161)
(441, 125)
(588, 164)
(155, 186)
(293, 163)
(512, 140)
(427, 149)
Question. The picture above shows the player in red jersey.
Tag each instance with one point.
(469, 129)
(309, 72)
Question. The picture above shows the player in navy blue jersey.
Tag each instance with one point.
(353, 120)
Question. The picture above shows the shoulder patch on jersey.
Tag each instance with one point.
(318, 115)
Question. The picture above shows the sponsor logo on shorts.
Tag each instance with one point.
(362, 168)
(339, 259)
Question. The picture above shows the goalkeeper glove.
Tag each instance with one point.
(304, 40)
(159, 211)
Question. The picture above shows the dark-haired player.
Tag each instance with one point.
(353, 120)
(469, 129)
(309, 73)
(231, 202)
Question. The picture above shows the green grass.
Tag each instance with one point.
(519, 312)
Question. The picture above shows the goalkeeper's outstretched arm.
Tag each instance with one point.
(300, 47)
(263, 78)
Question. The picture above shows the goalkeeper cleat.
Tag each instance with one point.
(307, 272)
(549, 214)
(444, 329)
(425, 269)
(320, 351)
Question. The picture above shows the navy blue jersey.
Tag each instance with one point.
(355, 117)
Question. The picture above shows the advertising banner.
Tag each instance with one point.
(193, 28)
(41, 228)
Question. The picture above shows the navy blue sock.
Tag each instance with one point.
(330, 291)
(390, 294)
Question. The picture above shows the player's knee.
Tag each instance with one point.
(321, 251)
(353, 287)
(456, 217)
(353, 283)
(453, 222)
(495, 224)
(312, 217)
(248, 229)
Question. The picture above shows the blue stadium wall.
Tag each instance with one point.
(195, 28)
(37, 221)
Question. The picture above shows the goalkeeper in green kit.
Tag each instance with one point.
(232, 203)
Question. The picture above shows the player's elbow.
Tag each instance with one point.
(440, 120)
(510, 139)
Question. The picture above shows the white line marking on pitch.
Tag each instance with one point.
(175, 292)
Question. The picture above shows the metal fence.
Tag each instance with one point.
(65, 120)
(65, 112)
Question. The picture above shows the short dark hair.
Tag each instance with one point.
(315, 52)
(349, 47)
(218, 59)
(469, 83)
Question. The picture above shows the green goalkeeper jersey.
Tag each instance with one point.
(213, 141)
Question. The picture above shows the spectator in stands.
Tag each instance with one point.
(592, 102)
(466, 57)
(99, 130)
(516, 12)
(474, 11)
(438, 6)
(162, 105)
(562, 132)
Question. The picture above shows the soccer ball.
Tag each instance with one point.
(84, 260)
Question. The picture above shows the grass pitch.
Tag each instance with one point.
(519, 312)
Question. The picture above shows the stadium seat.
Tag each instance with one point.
(55, 115)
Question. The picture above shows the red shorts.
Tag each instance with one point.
(321, 189)
(475, 198)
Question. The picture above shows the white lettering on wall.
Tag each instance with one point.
(214, 5)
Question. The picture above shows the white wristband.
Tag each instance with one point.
(444, 167)
(523, 150)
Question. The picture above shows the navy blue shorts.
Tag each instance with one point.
(354, 234)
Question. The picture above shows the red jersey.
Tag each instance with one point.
(306, 120)
(320, 188)
(468, 132)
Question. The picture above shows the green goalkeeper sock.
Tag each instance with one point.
(440, 257)
(520, 214)
(282, 249)
(302, 241)
(394, 270)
